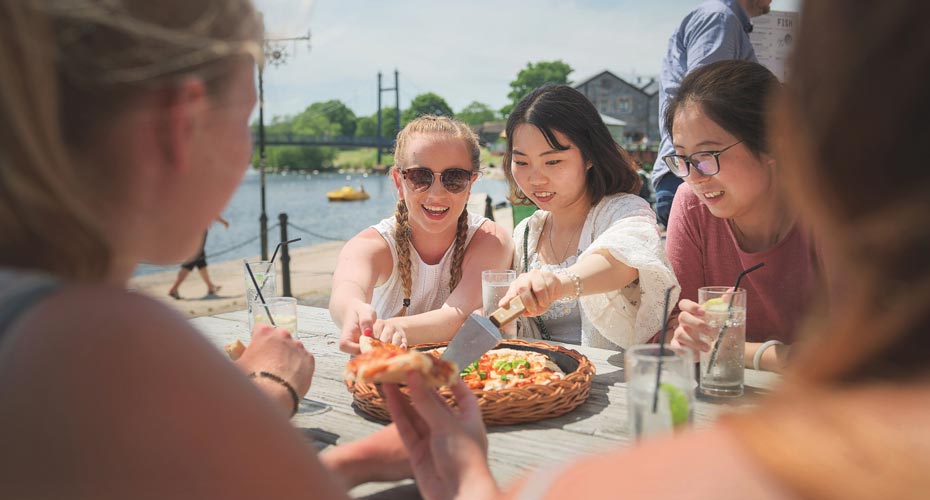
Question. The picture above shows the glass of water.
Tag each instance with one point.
(494, 284)
(652, 412)
(283, 311)
(265, 275)
(725, 308)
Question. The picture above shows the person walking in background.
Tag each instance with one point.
(715, 31)
(200, 262)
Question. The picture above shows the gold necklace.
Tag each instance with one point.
(564, 253)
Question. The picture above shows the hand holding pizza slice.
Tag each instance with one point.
(381, 362)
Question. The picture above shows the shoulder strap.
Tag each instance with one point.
(543, 331)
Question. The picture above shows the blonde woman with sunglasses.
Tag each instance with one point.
(415, 277)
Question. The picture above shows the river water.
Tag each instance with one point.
(303, 198)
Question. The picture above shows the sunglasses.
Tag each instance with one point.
(455, 180)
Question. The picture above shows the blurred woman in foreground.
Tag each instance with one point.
(852, 418)
(125, 131)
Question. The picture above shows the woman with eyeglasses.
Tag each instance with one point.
(731, 214)
(416, 277)
(593, 268)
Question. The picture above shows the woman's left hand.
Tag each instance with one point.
(537, 288)
(389, 332)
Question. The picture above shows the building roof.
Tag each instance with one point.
(649, 89)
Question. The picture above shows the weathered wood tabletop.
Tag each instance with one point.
(327, 416)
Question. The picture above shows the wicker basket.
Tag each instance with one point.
(506, 406)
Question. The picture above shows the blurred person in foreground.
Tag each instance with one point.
(127, 131)
(851, 419)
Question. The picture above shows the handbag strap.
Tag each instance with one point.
(539, 322)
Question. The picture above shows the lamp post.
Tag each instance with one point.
(276, 54)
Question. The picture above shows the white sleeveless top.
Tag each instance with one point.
(430, 282)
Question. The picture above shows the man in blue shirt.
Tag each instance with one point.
(715, 31)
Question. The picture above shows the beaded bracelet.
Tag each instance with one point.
(289, 387)
(579, 288)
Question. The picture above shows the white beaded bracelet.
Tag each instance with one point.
(757, 357)
(576, 280)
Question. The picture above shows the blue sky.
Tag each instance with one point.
(464, 51)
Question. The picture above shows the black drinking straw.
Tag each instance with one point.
(259, 291)
(275, 254)
(726, 324)
(655, 396)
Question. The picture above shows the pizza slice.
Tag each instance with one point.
(381, 362)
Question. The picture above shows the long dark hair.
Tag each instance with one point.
(734, 94)
(561, 108)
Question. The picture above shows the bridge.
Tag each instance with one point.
(324, 140)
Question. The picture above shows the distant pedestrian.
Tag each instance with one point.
(200, 262)
(717, 30)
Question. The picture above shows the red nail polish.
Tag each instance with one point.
(367, 332)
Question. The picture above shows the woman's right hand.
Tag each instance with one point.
(274, 350)
(692, 331)
(448, 448)
(359, 320)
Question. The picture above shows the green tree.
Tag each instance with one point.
(336, 112)
(476, 113)
(366, 126)
(535, 75)
(426, 104)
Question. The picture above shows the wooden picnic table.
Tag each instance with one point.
(327, 416)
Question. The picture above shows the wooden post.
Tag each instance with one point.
(285, 256)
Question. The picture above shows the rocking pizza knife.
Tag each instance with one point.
(480, 334)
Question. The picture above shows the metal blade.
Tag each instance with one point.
(476, 337)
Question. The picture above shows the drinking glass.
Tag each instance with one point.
(494, 284)
(672, 408)
(722, 373)
(283, 311)
(265, 275)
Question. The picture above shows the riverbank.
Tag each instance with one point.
(311, 276)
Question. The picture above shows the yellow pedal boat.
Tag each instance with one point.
(347, 193)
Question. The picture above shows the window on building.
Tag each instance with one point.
(603, 104)
(624, 104)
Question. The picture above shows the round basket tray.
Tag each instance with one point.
(506, 406)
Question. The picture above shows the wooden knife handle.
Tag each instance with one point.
(503, 315)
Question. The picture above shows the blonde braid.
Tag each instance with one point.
(402, 242)
(458, 255)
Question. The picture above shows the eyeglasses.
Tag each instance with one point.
(455, 180)
(705, 162)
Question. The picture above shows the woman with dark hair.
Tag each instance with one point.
(731, 213)
(594, 270)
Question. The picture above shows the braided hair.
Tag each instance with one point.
(431, 125)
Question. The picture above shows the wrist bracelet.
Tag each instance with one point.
(757, 357)
(576, 280)
(289, 387)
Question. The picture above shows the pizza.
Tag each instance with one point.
(506, 368)
(381, 362)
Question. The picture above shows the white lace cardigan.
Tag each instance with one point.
(624, 225)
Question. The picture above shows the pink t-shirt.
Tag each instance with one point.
(703, 251)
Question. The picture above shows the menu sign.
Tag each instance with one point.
(773, 37)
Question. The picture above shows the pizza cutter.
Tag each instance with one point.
(480, 334)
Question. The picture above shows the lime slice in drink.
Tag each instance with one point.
(716, 304)
(677, 404)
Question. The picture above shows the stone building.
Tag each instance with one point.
(635, 104)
